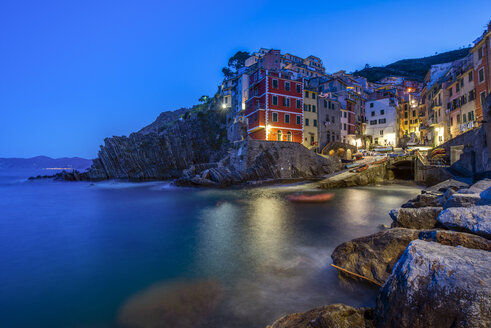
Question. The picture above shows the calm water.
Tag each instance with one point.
(72, 254)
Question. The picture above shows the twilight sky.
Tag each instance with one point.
(75, 72)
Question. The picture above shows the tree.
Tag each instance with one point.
(204, 99)
(227, 72)
(238, 60)
(367, 66)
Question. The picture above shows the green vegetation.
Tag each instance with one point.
(235, 62)
(413, 69)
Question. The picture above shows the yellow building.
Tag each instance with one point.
(311, 119)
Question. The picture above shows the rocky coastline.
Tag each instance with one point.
(432, 265)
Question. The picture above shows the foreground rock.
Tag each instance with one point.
(442, 187)
(415, 218)
(476, 219)
(464, 200)
(256, 160)
(437, 286)
(183, 305)
(374, 256)
(329, 316)
(454, 238)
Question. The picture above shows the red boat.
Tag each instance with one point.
(381, 161)
(360, 169)
(319, 198)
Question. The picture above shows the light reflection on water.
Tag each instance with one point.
(73, 254)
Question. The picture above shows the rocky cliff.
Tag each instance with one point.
(163, 149)
(257, 160)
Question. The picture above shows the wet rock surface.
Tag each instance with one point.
(415, 218)
(434, 285)
(454, 238)
(374, 256)
(476, 219)
(329, 316)
(181, 304)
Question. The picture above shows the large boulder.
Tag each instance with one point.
(480, 186)
(415, 218)
(433, 285)
(329, 316)
(425, 200)
(445, 185)
(476, 219)
(486, 195)
(454, 238)
(464, 200)
(374, 256)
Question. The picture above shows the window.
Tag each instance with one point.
(464, 118)
(457, 87)
(299, 120)
(479, 53)
(287, 86)
(471, 76)
(373, 122)
(275, 117)
(483, 97)
(382, 112)
(275, 100)
(255, 117)
(405, 114)
(279, 135)
(286, 102)
(287, 118)
(333, 106)
(275, 84)
(333, 120)
(371, 105)
(306, 94)
(299, 88)
(414, 113)
(481, 75)
(345, 115)
(458, 118)
(373, 113)
(313, 107)
(472, 95)
(344, 127)
(299, 103)
(381, 121)
(381, 132)
(405, 122)
(288, 136)
(313, 95)
(315, 122)
(306, 122)
(450, 92)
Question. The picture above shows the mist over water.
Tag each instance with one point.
(95, 255)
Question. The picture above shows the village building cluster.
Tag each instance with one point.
(284, 97)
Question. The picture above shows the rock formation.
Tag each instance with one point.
(475, 219)
(434, 285)
(256, 160)
(329, 316)
(415, 218)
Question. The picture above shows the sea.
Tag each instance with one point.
(126, 254)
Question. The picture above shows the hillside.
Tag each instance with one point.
(41, 162)
(413, 69)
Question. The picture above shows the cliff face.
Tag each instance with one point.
(175, 141)
(256, 160)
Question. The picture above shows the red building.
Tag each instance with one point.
(482, 75)
(274, 109)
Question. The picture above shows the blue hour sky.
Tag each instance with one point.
(75, 72)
